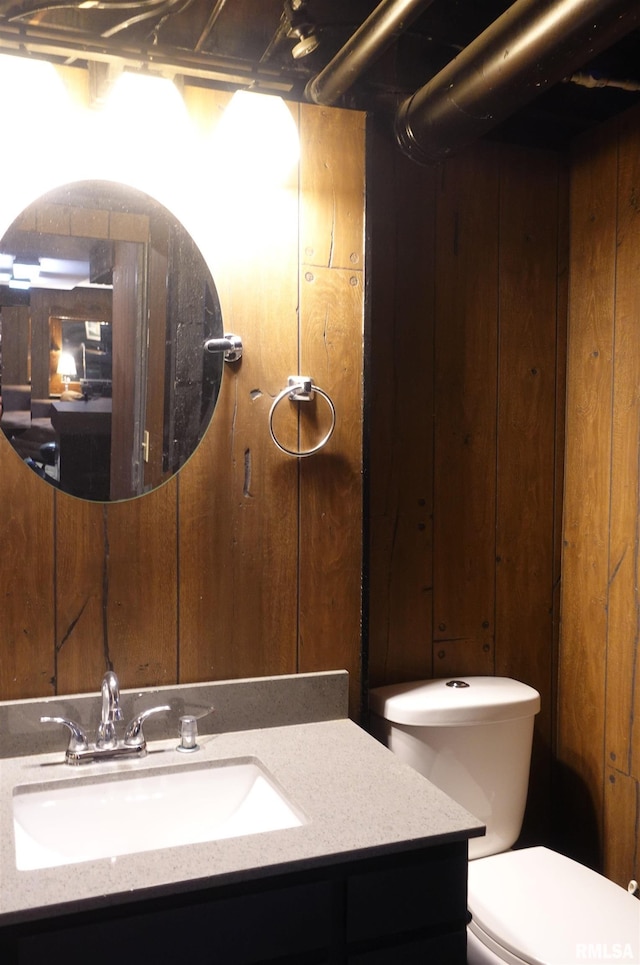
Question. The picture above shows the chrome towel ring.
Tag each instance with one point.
(300, 388)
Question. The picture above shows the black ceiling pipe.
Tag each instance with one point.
(378, 32)
(534, 44)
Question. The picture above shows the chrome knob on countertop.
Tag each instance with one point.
(188, 733)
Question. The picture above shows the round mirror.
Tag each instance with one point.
(105, 306)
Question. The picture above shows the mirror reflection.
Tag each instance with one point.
(105, 305)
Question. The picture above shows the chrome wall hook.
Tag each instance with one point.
(231, 345)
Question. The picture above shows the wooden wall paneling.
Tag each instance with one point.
(238, 493)
(526, 415)
(526, 438)
(621, 821)
(27, 584)
(330, 550)
(44, 335)
(156, 353)
(238, 529)
(16, 331)
(332, 175)
(635, 741)
(65, 219)
(332, 186)
(91, 223)
(262, 627)
(53, 218)
(125, 226)
(82, 593)
(92, 302)
(141, 587)
(560, 427)
(126, 341)
(238, 585)
(586, 572)
(466, 327)
(27, 220)
(47, 330)
(622, 688)
(399, 373)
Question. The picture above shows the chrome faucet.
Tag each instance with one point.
(107, 746)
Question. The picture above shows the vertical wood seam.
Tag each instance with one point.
(558, 460)
(636, 649)
(432, 414)
(178, 587)
(300, 261)
(612, 412)
(498, 403)
(636, 656)
(54, 559)
(614, 343)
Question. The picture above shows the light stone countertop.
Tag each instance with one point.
(358, 798)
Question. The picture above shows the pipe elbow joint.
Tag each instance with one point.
(406, 138)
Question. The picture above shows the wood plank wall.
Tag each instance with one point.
(468, 276)
(248, 562)
(599, 684)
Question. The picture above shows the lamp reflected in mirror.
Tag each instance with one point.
(67, 368)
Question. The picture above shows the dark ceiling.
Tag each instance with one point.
(268, 40)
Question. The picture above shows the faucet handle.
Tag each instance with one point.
(77, 736)
(133, 736)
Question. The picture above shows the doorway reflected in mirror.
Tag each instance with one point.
(105, 305)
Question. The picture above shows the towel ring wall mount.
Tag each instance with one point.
(300, 388)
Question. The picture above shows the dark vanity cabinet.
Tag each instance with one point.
(390, 910)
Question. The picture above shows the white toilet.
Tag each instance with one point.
(472, 737)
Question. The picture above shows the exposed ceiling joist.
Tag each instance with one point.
(283, 46)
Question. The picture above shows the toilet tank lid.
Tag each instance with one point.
(455, 702)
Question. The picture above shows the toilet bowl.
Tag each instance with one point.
(537, 906)
(472, 738)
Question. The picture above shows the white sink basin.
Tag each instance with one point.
(67, 822)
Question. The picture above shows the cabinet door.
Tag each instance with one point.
(442, 950)
(415, 895)
(291, 923)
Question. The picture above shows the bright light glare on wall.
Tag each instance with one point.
(257, 139)
(147, 101)
(37, 121)
(148, 126)
(34, 87)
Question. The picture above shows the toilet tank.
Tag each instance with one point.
(471, 737)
